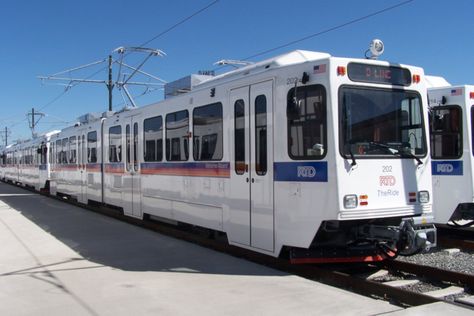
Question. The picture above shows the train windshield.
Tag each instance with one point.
(381, 123)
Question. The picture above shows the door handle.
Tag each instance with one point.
(253, 180)
(247, 179)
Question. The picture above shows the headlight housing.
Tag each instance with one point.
(350, 201)
(423, 196)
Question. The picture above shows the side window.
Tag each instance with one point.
(115, 144)
(306, 115)
(83, 158)
(446, 132)
(239, 136)
(128, 147)
(72, 150)
(472, 128)
(44, 152)
(411, 121)
(261, 135)
(58, 151)
(92, 147)
(135, 146)
(65, 146)
(208, 132)
(153, 139)
(51, 152)
(79, 149)
(177, 127)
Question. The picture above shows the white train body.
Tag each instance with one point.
(297, 152)
(27, 162)
(452, 152)
(76, 168)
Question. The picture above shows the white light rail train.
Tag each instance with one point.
(452, 151)
(305, 155)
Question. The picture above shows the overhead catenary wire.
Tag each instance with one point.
(334, 28)
(72, 85)
(180, 22)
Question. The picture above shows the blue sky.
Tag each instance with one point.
(45, 37)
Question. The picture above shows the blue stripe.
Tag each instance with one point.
(311, 171)
(447, 168)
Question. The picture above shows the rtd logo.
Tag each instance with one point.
(306, 172)
(387, 181)
(444, 168)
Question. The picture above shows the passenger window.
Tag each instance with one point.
(446, 132)
(58, 151)
(153, 139)
(239, 136)
(208, 132)
(43, 154)
(73, 150)
(129, 146)
(177, 143)
(261, 135)
(65, 146)
(472, 128)
(83, 160)
(135, 146)
(306, 115)
(92, 147)
(115, 144)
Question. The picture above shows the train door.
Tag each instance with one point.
(82, 156)
(252, 213)
(131, 193)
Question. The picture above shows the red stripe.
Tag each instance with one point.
(113, 170)
(374, 258)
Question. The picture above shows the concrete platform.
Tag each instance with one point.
(57, 259)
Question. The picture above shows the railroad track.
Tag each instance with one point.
(450, 283)
(455, 237)
(328, 274)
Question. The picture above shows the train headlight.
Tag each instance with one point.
(423, 196)
(376, 49)
(350, 201)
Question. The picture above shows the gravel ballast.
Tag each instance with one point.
(439, 258)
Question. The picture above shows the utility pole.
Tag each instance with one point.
(34, 121)
(110, 84)
(5, 134)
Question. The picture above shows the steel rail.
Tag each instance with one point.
(430, 273)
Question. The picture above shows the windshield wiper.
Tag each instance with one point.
(353, 163)
(396, 151)
(408, 153)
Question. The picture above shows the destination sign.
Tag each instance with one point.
(379, 74)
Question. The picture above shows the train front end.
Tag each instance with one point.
(382, 165)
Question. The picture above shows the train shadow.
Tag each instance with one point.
(110, 242)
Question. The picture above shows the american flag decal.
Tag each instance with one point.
(319, 69)
(456, 91)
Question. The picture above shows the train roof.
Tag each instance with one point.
(436, 82)
(287, 59)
